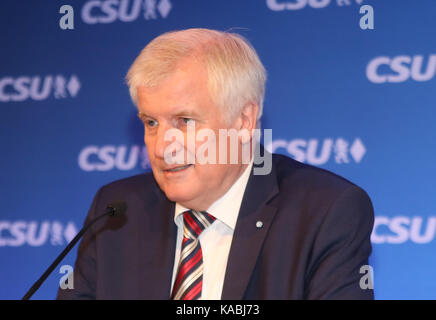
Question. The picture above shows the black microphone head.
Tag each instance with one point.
(116, 208)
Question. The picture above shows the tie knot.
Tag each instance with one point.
(195, 222)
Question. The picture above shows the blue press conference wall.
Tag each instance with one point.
(360, 103)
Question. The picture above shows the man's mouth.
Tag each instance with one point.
(176, 169)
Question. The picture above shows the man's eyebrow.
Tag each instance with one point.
(181, 113)
(142, 115)
(186, 113)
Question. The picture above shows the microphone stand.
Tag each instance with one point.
(111, 210)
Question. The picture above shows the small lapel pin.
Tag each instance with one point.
(259, 224)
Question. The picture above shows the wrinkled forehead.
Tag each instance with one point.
(183, 91)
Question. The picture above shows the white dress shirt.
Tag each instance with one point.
(215, 240)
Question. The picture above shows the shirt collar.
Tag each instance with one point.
(226, 208)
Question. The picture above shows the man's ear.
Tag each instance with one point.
(249, 116)
(248, 120)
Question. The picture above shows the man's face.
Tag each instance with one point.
(180, 100)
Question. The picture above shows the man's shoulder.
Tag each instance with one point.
(314, 191)
(296, 175)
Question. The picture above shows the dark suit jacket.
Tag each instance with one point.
(314, 240)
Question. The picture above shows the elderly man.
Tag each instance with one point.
(216, 229)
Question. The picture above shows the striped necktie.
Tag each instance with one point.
(189, 280)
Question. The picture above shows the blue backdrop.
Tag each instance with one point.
(360, 103)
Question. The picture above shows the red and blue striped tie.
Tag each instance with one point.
(189, 281)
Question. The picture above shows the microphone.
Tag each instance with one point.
(114, 209)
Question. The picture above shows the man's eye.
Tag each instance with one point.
(188, 121)
(151, 123)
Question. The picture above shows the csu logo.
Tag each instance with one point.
(38, 88)
(108, 11)
(401, 68)
(278, 5)
(397, 230)
(109, 157)
(316, 152)
(32, 233)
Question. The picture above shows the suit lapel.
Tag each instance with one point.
(248, 237)
(160, 243)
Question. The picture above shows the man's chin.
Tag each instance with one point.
(178, 196)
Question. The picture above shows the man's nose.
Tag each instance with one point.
(168, 143)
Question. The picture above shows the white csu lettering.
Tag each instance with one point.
(303, 150)
(402, 228)
(276, 5)
(22, 232)
(110, 10)
(402, 68)
(94, 158)
(25, 87)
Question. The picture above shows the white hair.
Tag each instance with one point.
(235, 74)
